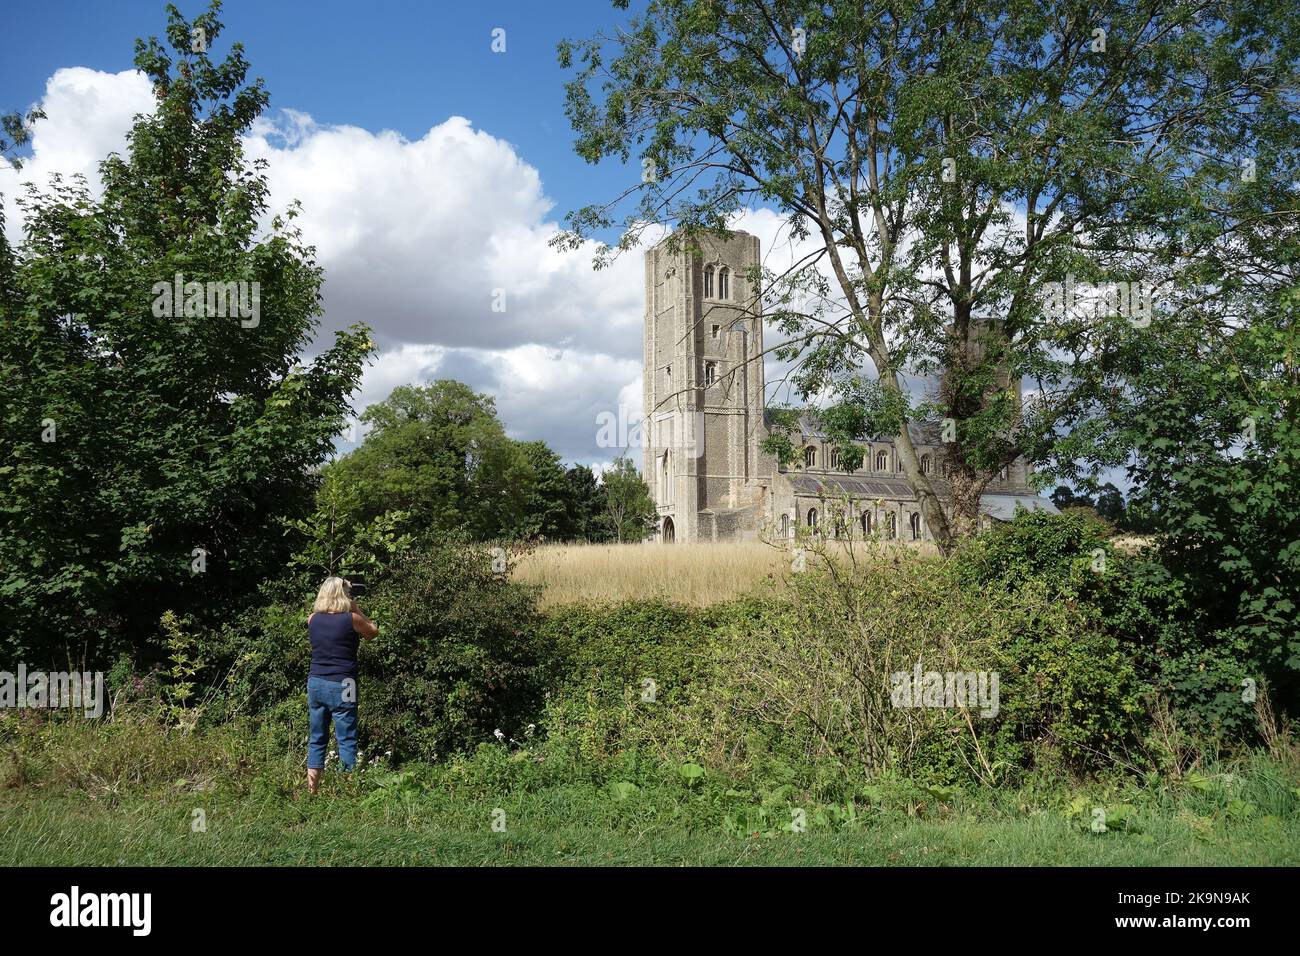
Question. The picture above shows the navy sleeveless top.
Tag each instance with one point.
(333, 646)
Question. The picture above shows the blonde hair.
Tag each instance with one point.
(333, 597)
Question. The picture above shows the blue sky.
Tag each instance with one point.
(431, 169)
(377, 64)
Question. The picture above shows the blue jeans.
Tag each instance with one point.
(325, 700)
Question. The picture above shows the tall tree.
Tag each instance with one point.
(629, 511)
(152, 449)
(950, 169)
(547, 508)
(438, 453)
(585, 504)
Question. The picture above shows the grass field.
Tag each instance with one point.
(573, 826)
(693, 574)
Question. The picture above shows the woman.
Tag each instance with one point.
(335, 627)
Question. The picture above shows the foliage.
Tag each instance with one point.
(629, 512)
(150, 459)
(1137, 600)
(1218, 454)
(935, 166)
(435, 460)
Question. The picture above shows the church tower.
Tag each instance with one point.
(704, 390)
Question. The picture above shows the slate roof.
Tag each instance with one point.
(923, 433)
(1003, 507)
(833, 487)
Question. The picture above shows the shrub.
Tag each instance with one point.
(637, 678)
(825, 668)
(459, 655)
(1133, 599)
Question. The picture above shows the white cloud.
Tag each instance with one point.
(88, 114)
(415, 238)
(421, 238)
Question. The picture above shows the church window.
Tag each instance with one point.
(925, 464)
(865, 518)
(891, 526)
(812, 518)
(785, 526)
(916, 526)
(810, 457)
(708, 282)
(710, 372)
(724, 281)
(666, 484)
(715, 330)
(882, 461)
(835, 458)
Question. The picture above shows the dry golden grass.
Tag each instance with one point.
(694, 574)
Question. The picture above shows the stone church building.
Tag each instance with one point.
(706, 422)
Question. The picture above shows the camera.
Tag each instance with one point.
(356, 587)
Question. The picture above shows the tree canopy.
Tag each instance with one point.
(152, 450)
(951, 173)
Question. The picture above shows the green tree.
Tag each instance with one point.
(548, 510)
(439, 453)
(1215, 427)
(629, 511)
(585, 503)
(1110, 504)
(942, 161)
(153, 448)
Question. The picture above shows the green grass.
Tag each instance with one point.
(125, 792)
(570, 825)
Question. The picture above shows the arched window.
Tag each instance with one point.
(785, 526)
(708, 282)
(925, 464)
(665, 483)
(916, 526)
(812, 518)
(882, 461)
(810, 457)
(865, 518)
(710, 373)
(891, 526)
(724, 283)
(835, 459)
